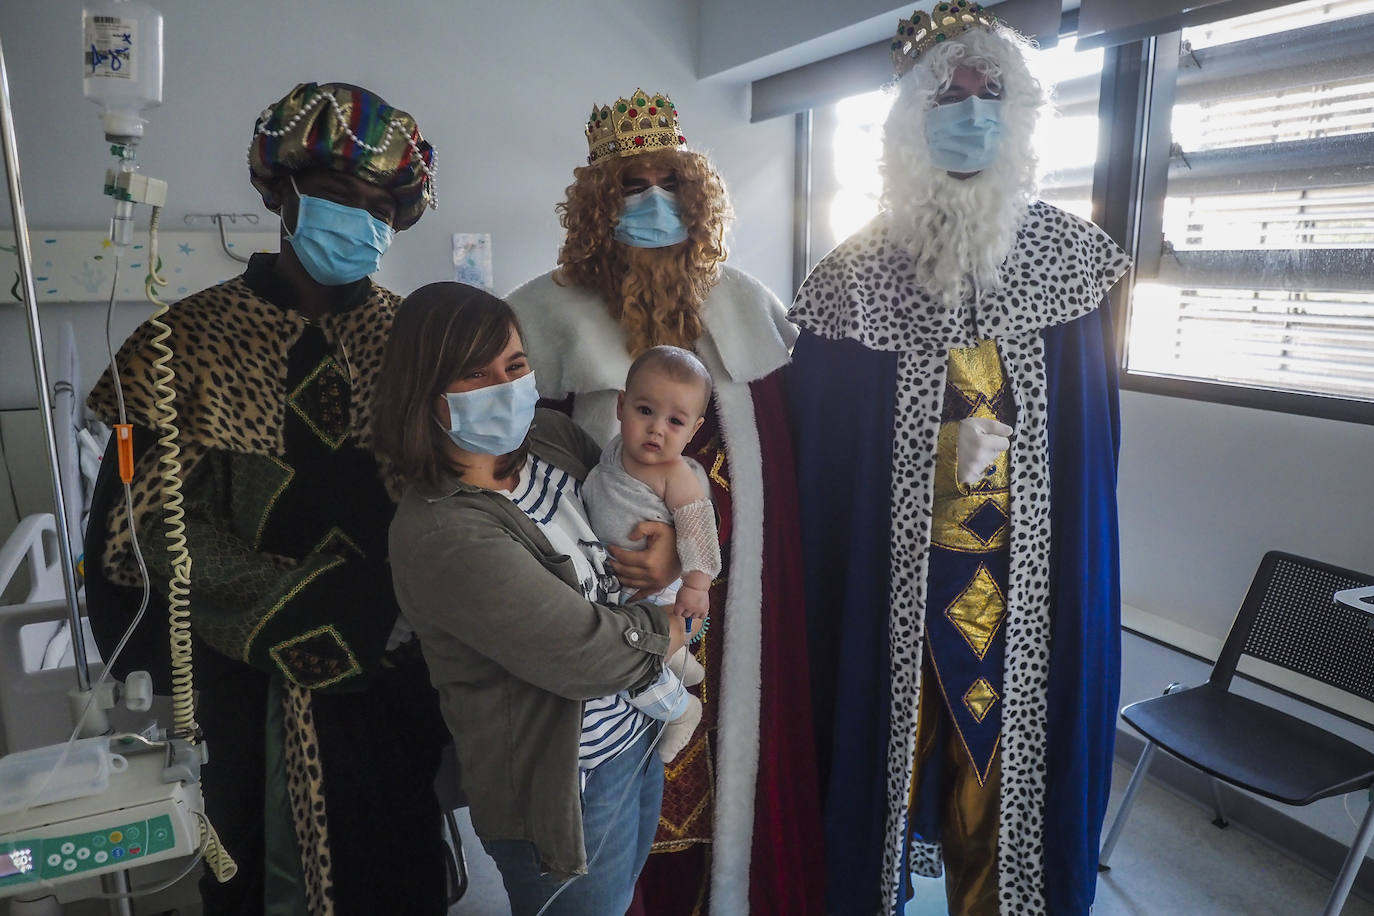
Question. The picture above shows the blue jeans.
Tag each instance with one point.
(620, 806)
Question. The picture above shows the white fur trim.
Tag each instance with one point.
(1026, 663)
(738, 716)
(748, 327)
(576, 346)
(867, 290)
(919, 378)
(594, 411)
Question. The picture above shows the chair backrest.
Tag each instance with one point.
(1290, 619)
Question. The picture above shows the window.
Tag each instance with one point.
(1066, 142)
(1263, 279)
(857, 146)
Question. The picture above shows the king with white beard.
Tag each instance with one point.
(954, 409)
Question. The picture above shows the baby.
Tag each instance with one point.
(644, 475)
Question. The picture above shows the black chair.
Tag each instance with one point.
(1290, 618)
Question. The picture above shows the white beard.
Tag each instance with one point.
(959, 231)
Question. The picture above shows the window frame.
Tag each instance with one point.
(1141, 74)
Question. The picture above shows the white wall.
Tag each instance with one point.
(763, 37)
(501, 90)
(1206, 489)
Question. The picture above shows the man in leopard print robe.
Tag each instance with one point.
(953, 399)
(300, 660)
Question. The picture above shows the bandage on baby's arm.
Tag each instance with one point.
(698, 544)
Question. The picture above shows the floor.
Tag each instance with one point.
(1170, 861)
(485, 895)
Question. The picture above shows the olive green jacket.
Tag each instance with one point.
(514, 649)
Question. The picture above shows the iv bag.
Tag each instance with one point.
(122, 53)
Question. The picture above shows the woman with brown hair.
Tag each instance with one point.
(495, 566)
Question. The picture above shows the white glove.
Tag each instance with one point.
(981, 441)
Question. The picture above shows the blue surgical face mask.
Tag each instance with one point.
(650, 220)
(492, 420)
(965, 136)
(337, 244)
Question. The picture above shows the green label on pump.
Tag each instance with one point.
(49, 858)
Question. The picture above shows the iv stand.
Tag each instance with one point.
(21, 238)
(117, 882)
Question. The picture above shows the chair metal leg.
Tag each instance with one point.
(1127, 801)
(458, 861)
(1353, 860)
(1220, 820)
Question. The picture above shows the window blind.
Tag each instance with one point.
(1267, 274)
(1102, 23)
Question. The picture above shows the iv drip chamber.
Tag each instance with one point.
(122, 53)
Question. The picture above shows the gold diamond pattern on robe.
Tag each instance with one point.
(987, 521)
(978, 610)
(979, 699)
(971, 519)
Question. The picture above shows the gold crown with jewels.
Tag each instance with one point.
(642, 123)
(947, 21)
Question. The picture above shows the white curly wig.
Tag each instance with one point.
(960, 230)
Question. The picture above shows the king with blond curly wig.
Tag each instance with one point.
(739, 826)
(655, 293)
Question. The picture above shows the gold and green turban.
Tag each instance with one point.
(347, 129)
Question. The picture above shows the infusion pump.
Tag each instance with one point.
(148, 812)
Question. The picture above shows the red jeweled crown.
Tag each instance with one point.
(641, 123)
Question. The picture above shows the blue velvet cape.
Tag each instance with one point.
(841, 401)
